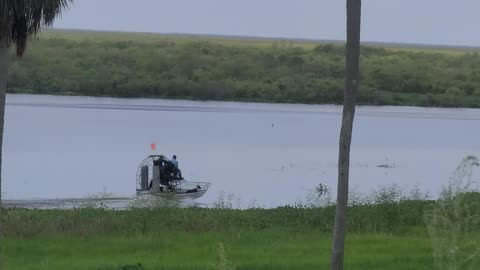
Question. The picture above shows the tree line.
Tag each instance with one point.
(208, 70)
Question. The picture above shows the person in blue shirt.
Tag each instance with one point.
(177, 172)
(174, 161)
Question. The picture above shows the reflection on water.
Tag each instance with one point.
(260, 154)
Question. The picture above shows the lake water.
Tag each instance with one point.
(263, 154)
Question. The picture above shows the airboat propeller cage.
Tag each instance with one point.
(149, 170)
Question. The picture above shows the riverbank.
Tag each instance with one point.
(219, 68)
(386, 234)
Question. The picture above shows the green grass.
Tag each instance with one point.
(270, 249)
(173, 238)
(384, 232)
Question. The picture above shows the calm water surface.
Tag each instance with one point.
(264, 154)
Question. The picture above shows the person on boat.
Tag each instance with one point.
(174, 161)
(177, 172)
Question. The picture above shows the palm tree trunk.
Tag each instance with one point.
(3, 90)
(350, 95)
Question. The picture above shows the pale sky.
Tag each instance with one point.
(448, 22)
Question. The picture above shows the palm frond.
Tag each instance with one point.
(6, 19)
(24, 18)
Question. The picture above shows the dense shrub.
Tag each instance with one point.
(121, 65)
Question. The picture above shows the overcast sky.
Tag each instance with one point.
(451, 22)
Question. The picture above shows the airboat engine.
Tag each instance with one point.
(148, 174)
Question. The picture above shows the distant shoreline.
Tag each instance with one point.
(267, 38)
(226, 68)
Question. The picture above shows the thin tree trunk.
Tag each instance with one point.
(3, 90)
(350, 95)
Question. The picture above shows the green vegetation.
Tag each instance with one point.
(382, 218)
(385, 234)
(249, 250)
(189, 67)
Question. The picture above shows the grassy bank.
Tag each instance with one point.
(198, 238)
(398, 218)
(399, 234)
(216, 68)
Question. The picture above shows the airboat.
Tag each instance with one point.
(156, 175)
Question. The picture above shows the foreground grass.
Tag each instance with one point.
(385, 234)
(173, 238)
(270, 249)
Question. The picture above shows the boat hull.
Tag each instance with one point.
(181, 190)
